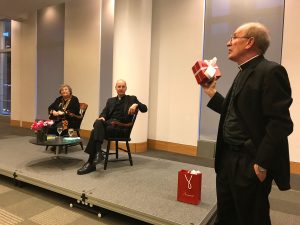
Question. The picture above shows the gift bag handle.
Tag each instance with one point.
(189, 181)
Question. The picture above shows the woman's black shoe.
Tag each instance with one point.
(86, 168)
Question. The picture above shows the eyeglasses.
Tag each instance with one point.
(234, 37)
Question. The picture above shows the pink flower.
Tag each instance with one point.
(41, 124)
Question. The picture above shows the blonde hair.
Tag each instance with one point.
(63, 86)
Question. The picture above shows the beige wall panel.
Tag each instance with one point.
(82, 54)
(24, 75)
(132, 44)
(174, 95)
(290, 59)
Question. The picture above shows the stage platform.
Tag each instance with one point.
(146, 191)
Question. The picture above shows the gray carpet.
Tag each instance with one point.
(30, 205)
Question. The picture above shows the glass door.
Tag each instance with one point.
(5, 83)
(5, 67)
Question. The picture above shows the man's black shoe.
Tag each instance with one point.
(98, 158)
(86, 168)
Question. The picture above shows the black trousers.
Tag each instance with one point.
(241, 198)
(101, 130)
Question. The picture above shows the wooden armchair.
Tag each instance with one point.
(107, 153)
(83, 108)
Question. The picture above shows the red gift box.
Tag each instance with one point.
(206, 70)
(189, 187)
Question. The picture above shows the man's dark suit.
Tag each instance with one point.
(102, 129)
(129, 100)
(261, 103)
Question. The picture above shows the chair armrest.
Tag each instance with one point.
(76, 116)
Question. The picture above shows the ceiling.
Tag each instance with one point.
(18, 9)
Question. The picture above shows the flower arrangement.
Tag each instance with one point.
(41, 124)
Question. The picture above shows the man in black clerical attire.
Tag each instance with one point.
(118, 111)
(252, 143)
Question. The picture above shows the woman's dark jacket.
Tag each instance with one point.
(73, 107)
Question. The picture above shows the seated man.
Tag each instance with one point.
(118, 112)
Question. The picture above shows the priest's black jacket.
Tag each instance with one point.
(261, 103)
(129, 100)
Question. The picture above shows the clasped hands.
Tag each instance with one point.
(57, 113)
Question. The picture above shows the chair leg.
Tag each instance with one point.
(117, 149)
(106, 155)
(78, 135)
(129, 153)
(81, 145)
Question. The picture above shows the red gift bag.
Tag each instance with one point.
(189, 187)
(205, 70)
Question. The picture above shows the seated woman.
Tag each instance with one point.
(64, 111)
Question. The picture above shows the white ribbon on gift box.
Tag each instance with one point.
(211, 68)
(210, 72)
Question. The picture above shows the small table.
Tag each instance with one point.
(59, 142)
